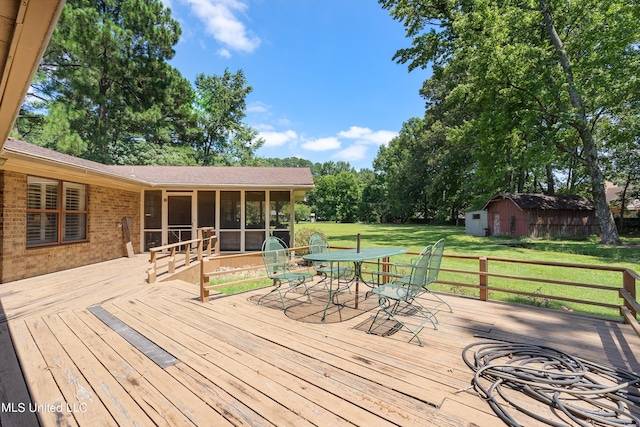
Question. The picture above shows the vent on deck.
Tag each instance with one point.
(139, 341)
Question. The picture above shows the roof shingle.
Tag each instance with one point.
(186, 176)
(546, 202)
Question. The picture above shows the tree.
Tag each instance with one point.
(331, 168)
(104, 85)
(287, 162)
(564, 68)
(394, 164)
(302, 212)
(336, 197)
(220, 109)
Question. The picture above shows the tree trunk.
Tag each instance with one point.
(603, 213)
(551, 186)
(623, 202)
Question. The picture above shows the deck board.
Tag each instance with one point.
(307, 370)
(245, 364)
(14, 390)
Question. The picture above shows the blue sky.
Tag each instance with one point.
(324, 85)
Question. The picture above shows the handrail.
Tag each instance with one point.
(204, 243)
(628, 306)
(205, 276)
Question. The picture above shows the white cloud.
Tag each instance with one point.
(276, 139)
(257, 107)
(367, 136)
(322, 144)
(355, 132)
(219, 17)
(351, 154)
(224, 53)
(283, 121)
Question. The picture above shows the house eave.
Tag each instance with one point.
(19, 159)
(24, 36)
(19, 162)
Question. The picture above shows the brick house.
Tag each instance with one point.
(59, 211)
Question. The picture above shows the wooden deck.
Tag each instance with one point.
(239, 363)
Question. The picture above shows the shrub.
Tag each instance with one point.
(304, 234)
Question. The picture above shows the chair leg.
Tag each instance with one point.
(322, 281)
(442, 302)
(393, 311)
(277, 284)
(306, 288)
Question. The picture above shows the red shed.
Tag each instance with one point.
(539, 215)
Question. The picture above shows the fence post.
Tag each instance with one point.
(629, 283)
(484, 279)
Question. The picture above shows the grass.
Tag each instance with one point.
(415, 237)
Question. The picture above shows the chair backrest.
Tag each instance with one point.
(435, 261)
(274, 255)
(317, 245)
(418, 277)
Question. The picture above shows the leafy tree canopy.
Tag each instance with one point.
(543, 78)
(105, 91)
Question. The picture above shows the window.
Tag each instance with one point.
(254, 208)
(280, 216)
(230, 209)
(206, 209)
(56, 212)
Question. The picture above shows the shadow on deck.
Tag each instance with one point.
(239, 363)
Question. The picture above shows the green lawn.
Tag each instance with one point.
(415, 237)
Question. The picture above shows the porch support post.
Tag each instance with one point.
(292, 218)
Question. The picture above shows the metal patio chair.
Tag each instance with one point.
(399, 307)
(276, 262)
(317, 245)
(433, 271)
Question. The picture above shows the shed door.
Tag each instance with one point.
(496, 223)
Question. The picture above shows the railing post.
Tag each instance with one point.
(385, 268)
(204, 293)
(151, 271)
(172, 260)
(484, 279)
(187, 254)
(629, 283)
(199, 252)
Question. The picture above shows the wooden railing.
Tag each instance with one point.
(246, 265)
(486, 281)
(182, 251)
(629, 308)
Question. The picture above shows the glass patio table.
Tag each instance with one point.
(355, 256)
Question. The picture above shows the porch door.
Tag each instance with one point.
(179, 218)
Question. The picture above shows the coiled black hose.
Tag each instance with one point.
(577, 391)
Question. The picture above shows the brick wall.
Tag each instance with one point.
(107, 207)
